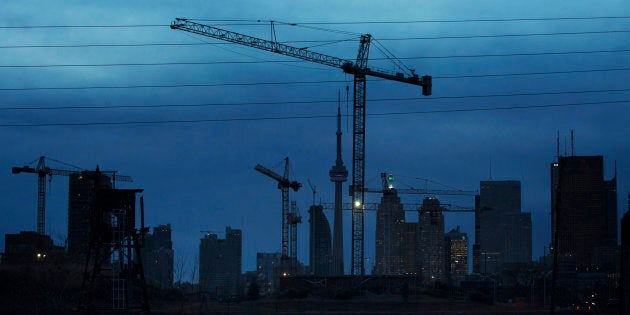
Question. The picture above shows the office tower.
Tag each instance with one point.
(410, 242)
(456, 249)
(431, 254)
(220, 263)
(81, 194)
(390, 230)
(320, 257)
(503, 232)
(158, 256)
(584, 210)
(338, 174)
(269, 268)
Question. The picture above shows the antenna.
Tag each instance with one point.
(558, 145)
(572, 144)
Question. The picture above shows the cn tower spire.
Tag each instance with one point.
(338, 175)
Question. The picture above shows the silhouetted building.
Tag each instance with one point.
(320, 258)
(456, 249)
(269, 267)
(220, 263)
(390, 232)
(503, 234)
(30, 247)
(410, 243)
(431, 254)
(338, 174)
(584, 209)
(624, 289)
(81, 194)
(158, 256)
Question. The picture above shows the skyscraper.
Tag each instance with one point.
(431, 254)
(269, 268)
(338, 175)
(390, 233)
(158, 257)
(81, 194)
(220, 263)
(503, 232)
(456, 250)
(320, 258)
(584, 210)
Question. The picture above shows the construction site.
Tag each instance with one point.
(360, 249)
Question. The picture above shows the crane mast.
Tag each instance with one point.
(283, 184)
(359, 69)
(42, 172)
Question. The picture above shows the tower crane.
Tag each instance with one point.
(387, 185)
(360, 71)
(293, 219)
(42, 171)
(283, 184)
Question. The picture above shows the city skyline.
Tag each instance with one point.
(200, 176)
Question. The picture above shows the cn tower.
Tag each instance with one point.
(338, 175)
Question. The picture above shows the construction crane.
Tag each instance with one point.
(387, 185)
(360, 71)
(42, 171)
(293, 220)
(283, 184)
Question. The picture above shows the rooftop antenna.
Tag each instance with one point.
(572, 143)
(558, 145)
(490, 169)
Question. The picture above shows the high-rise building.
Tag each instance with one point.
(269, 268)
(320, 258)
(410, 242)
(338, 175)
(390, 233)
(584, 210)
(158, 257)
(431, 254)
(81, 193)
(456, 249)
(624, 287)
(502, 231)
(220, 263)
(29, 247)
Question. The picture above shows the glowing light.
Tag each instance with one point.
(357, 204)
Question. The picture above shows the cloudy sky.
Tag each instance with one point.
(189, 117)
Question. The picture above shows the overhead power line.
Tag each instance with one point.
(244, 119)
(154, 64)
(308, 102)
(261, 22)
(325, 41)
(189, 85)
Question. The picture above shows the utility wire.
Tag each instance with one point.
(324, 41)
(297, 82)
(153, 64)
(313, 101)
(259, 22)
(156, 122)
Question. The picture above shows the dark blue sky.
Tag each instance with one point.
(199, 176)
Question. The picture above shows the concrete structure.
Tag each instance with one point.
(584, 210)
(158, 257)
(456, 249)
(220, 263)
(502, 231)
(320, 251)
(81, 194)
(338, 175)
(431, 254)
(390, 232)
